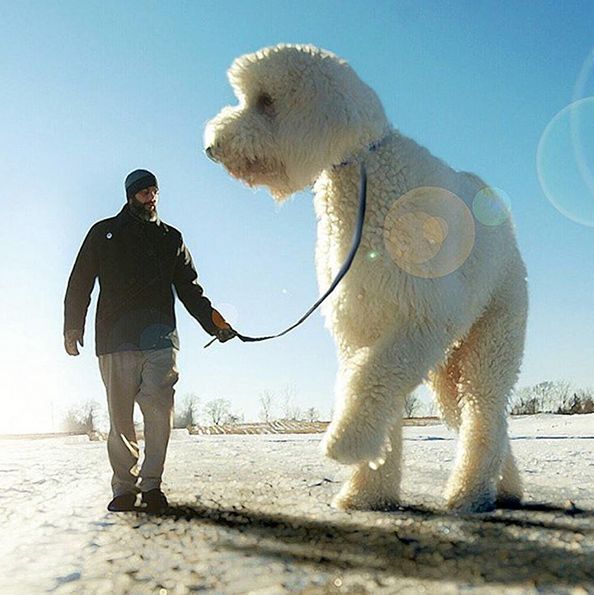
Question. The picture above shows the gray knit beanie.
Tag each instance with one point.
(138, 180)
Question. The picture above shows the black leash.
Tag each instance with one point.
(343, 271)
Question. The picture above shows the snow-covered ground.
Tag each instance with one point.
(252, 514)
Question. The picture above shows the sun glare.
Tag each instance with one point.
(33, 403)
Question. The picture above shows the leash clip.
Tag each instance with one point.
(210, 342)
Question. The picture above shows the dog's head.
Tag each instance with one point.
(301, 110)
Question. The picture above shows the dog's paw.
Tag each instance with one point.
(464, 502)
(509, 492)
(352, 444)
(348, 499)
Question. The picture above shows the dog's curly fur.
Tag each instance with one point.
(434, 293)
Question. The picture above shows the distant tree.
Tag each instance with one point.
(217, 411)
(578, 401)
(411, 404)
(290, 411)
(586, 398)
(234, 418)
(82, 419)
(552, 394)
(525, 402)
(312, 414)
(266, 406)
(185, 414)
(71, 422)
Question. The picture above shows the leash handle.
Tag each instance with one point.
(341, 273)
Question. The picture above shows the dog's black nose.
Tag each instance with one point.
(210, 154)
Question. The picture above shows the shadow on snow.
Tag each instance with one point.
(417, 542)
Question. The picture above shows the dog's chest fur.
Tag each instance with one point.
(375, 293)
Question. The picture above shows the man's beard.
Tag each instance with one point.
(140, 210)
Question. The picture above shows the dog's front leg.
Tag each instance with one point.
(371, 386)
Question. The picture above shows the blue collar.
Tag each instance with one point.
(370, 147)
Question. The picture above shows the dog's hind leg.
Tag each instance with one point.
(509, 484)
(488, 360)
(445, 381)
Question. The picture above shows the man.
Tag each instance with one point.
(138, 260)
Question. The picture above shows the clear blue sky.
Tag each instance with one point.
(92, 90)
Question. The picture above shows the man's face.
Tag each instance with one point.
(144, 202)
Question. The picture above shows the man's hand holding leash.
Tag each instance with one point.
(224, 331)
(224, 334)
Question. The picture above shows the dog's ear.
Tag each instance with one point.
(349, 109)
(364, 113)
(352, 120)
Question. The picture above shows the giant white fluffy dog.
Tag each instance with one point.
(436, 292)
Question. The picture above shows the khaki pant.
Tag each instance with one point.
(146, 377)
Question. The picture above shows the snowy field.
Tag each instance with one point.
(251, 514)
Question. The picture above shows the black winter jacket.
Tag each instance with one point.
(138, 263)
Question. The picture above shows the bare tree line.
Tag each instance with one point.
(190, 412)
(90, 417)
(556, 396)
(559, 397)
(282, 407)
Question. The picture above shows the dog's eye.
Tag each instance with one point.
(265, 104)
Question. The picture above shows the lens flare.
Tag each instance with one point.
(491, 206)
(584, 88)
(565, 161)
(429, 232)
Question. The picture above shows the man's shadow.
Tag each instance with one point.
(529, 543)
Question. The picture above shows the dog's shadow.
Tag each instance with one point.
(537, 543)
